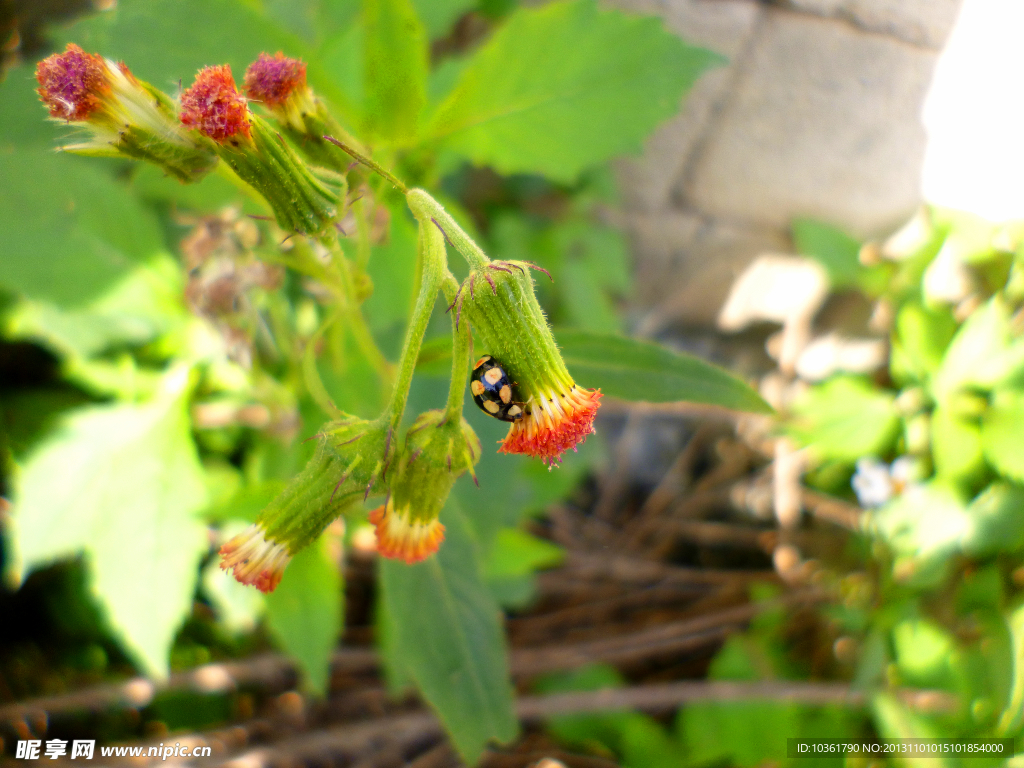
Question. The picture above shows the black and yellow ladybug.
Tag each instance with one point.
(492, 391)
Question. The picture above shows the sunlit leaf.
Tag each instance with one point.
(448, 636)
(1001, 433)
(565, 86)
(835, 250)
(304, 612)
(122, 484)
(639, 370)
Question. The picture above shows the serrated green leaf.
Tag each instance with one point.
(447, 634)
(639, 370)
(1001, 431)
(123, 484)
(846, 419)
(565, 86)
(70, 231)
(835, 250)
(395, 55)
(304, 613)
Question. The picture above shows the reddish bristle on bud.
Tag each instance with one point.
(213, 105)
(72, 83)
(272, 79)
(553, 425)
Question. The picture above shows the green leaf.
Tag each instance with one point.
(926, 523)
(447, 634)
(565, 86)
(631, 369)
(395, 78)
(845, 419)
(238, 606)
(121, 483)
(70, 231)
(1013, 714)
(922, 650)
(997, 514)
(835, 250)
(143, 304)
(956, 445)
(923, 335)
(439, 15)
(517, 553)
(304, 612)
(895, 721)
(24, 122)
(1002, 428)
(981, 354)
(512, 562)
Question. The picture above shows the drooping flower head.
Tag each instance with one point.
(213, 106)
(499, 302)
(340, 474)
(274, 80)
(437, 451)
(122, 115)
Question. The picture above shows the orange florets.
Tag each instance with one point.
(253, 560)
(401, 538)
(72, 84)
(553, 424)
(272, 79)
(213, 105)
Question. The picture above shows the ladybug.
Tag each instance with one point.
(492, 391)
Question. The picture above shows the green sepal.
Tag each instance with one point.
(304, 199)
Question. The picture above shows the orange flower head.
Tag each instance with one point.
(73, 84)
(558, 414)
(438, 449)
(401, 536)
(214, 107)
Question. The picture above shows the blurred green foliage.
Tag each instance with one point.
(933, 445)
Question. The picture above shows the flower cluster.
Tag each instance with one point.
(298, 164)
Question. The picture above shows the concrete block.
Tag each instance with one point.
(824, 121)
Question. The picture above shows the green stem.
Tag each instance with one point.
(432, 263)
(460, 371)
(426, 208)
(369, 163)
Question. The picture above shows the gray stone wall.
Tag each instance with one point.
(817, 114)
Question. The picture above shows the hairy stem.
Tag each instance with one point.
(431, 262)
(427, 209)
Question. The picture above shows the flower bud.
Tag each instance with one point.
(124, 115)
(279, 84)
(351, 460)
(436, 453)
(304, 199)
(499, 301)
(291, 522)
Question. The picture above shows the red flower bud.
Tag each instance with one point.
(214, 107)
(72, 84)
